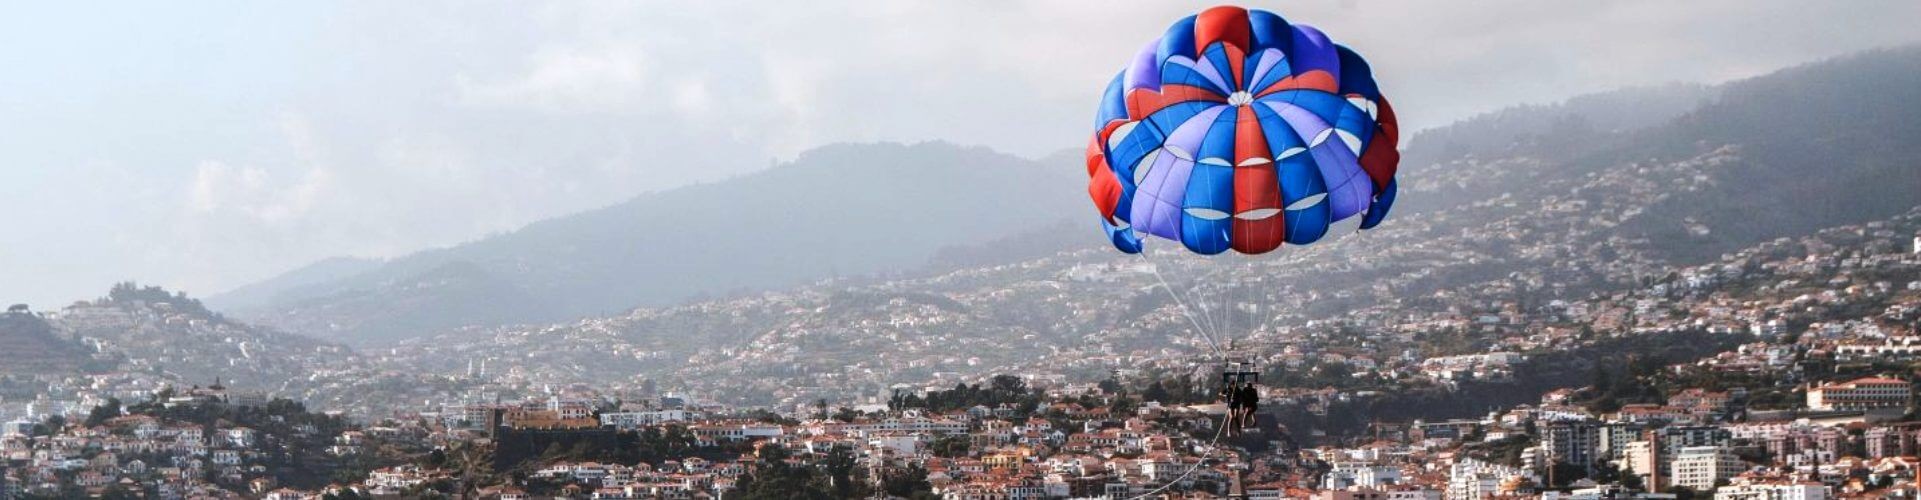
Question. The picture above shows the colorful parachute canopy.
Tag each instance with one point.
(1238, 130)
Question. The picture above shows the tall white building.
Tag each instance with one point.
(1571, 441)
(1700, 467)
(1615, 437)
(1471, 479)
(1639, 458)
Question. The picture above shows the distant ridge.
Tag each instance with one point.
(841, 210)
(1808, 147)
(32, 347)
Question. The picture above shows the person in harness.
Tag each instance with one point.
(1231, 393)
(1250, 402)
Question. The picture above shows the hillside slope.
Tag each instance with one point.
(31, 346)
(836, 211)
(1597, 217)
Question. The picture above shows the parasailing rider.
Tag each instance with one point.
(1250, 402)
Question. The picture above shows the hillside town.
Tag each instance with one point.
(1855, 438)
(818, 251)
(1550, 325)
(1784, 370)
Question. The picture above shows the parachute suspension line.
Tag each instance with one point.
(1185, 311)
(1220, 328)
(1219, 430)
(1196, 299)
(1211, 446)
(1229, 298)
(1207, 313)
(1350, 107)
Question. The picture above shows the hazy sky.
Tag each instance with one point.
(204, 145)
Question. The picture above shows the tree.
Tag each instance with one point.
(342, 494)
(118, 492)
(1008, 386)
(101, 414)
(774, 478)
(949, 446)
(1603, 381)
(1156, 392)
(55, 424)
(841, 471)
(907, 482)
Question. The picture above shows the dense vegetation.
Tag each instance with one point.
(520, 450)
(1641, 356)
(294, 440)
(1001, 390)
(128, 292)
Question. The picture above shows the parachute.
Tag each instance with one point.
(1236, 129)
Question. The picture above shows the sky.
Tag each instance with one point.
(206, 145)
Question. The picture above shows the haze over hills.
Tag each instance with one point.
(848, 251)
(1609, 213)
(1532, 218)
(844, 210)
(853, 210)
(34, 347)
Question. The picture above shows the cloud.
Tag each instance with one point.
(218, 188)
(567, 79)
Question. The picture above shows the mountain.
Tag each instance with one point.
(1806, 148)
(33, 347)
(1503, 228)
(1671, 174)
(1821, 145)
(843, 210)
(317, 274)
(149, 332)
(1441, 167)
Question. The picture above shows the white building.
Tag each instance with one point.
(1470, 479)
(627, 420)
(19, 427)
(1861, 394)
(1773, 491)
(899, 425)
(1571, 441)
(737, 432)
(899, 445)
(1360, 475)
(1638, 458)
(1700, 467)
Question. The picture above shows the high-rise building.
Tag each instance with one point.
(1471, 479)
(1571, 441)
(1701, 467)
(1615, 437)
(1674, 438)
(1640, 458)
